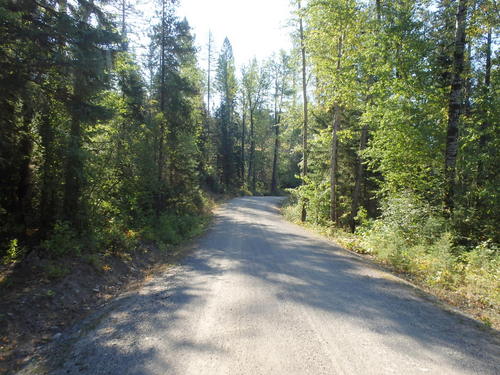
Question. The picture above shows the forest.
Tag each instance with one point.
(381, 125)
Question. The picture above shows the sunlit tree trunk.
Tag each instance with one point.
(243, 136)
(251, 158)
(274, 178)
(303, 215)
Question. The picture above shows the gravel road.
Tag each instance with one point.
(260, 295)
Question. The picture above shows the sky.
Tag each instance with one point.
(256, 28)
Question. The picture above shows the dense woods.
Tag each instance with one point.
(101, 149)
(381, 122)
(404, 145)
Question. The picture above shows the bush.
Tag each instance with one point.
(173, 229)
(62, 241)
(482, 273)
(115, 238)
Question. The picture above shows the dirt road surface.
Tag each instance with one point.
(260, 295)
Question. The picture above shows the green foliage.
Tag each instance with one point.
(413, 219)
(173, 229)
(482, 273)
(115, 239)
(14, 252)
(63, 240)
(379, 66)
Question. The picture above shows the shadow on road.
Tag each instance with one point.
(249, 238)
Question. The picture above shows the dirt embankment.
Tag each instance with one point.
(41, 297)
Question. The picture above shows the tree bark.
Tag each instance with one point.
(483, 138)
(304, 94)
(251, 157)
(274, 178)
(454, 107)
(161, 135)
(243, 135)
(124, 26)
(356, 197)
(487, 84)
(209, 76)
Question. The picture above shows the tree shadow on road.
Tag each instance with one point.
(133, 333)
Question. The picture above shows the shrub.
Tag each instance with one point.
(116, 239)
(62, 241)
(482, 273)
(413, 237)
(173, 229)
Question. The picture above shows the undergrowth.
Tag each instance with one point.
(114, 237)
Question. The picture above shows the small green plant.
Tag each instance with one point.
(14, 252)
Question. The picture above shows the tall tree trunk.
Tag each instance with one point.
(487, 84)
(74, 171)
(74, 174)
(25, 186)
(334, 146)
(334, 164)
(254, 177)
(304, 94)
(209, 74)
(356, 197)
(124, 26)
(454, 108)
(274, 178)
(47, 199)
(445, 62)
(251, 159)
(243, 135)
(483, 138)
(468, 88)
(161, 135)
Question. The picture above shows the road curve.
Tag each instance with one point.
(260, 295)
